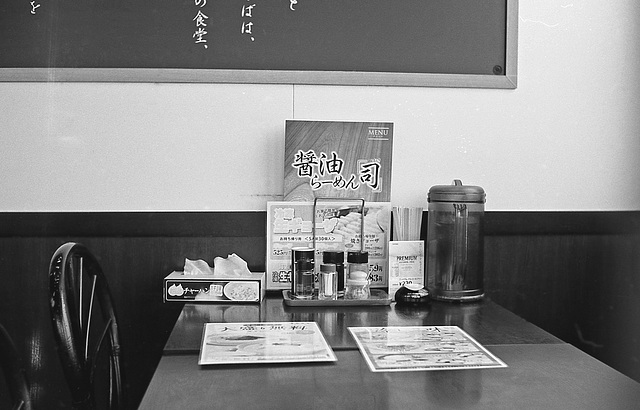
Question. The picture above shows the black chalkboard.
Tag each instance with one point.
(388, 42)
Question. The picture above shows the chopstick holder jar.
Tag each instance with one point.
(455, 242)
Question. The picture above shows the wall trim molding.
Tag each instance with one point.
(253, 223)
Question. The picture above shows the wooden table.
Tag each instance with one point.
(543, 372)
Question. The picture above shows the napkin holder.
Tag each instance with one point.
(247, 288)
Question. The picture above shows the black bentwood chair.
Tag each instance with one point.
(14, 373)
(85, 328)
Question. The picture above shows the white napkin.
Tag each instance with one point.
(197, 267)
(232, 266)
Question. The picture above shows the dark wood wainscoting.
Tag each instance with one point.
(575, 274)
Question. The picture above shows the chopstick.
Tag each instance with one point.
(407, 223)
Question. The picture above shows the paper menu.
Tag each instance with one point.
(420, 348)
(264, 342)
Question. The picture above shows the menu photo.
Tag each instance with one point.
(332, 225)
(268, 342)
(420, 348)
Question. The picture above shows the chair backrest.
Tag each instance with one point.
(14, 373)
(85, 328)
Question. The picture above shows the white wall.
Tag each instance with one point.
(568, 138)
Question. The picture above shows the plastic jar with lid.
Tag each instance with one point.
(357, 264)
(358, 271)
(357, 289)
(455, 242)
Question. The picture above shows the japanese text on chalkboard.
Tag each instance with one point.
(247, 23)
(200, 23)
(34, 6)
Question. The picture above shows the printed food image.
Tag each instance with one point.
(263, 344)
(176, 290)
(330, 224)
(241, 290)
(393, 348)
(233, 340)
(350, 224)
(283, 347)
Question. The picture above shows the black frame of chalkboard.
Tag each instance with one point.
(504, 78)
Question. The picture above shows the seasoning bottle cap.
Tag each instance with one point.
(357, 257)
(304, 252)
(328, 267)
(333, 257)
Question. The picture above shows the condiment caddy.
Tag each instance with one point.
(378, 297)
(336, 285)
